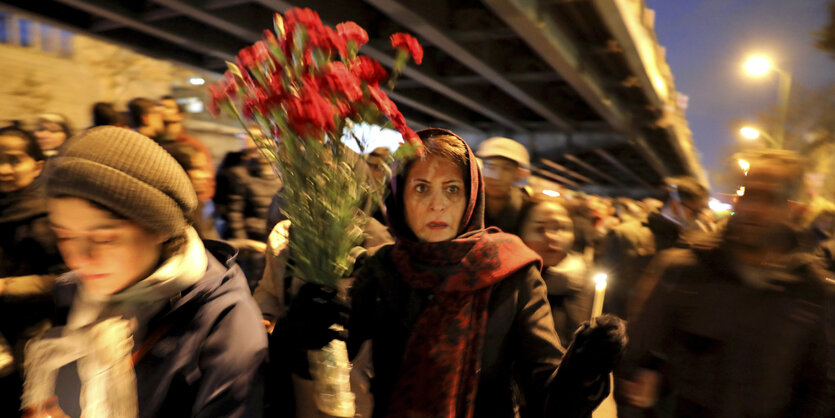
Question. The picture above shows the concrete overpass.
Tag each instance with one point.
(583, 83)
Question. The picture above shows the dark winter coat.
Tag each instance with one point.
(627, 251)
(27, 244)
(520, 341)
(29, 263)
(208, 364)
(508, 218)
(248, 203)
(730, 349)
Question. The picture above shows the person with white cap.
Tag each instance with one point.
(506, 163)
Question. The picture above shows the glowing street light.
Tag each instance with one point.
(751, 133)
(748, 132)
(757, 65)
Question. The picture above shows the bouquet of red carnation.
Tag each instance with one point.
(306, 86)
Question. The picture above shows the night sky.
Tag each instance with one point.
(708, 40)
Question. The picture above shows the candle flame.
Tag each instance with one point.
(600, 280)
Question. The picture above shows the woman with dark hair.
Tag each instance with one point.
(105, 114)
(547, 228)
(53, 129)
(457, 314)
(29, 259)
(158, 322)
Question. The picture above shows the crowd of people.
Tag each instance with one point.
(138, 278)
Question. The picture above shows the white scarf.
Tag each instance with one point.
(99, 337)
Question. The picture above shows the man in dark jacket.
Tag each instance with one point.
(505, 163)
(737, 325)
(629, 247)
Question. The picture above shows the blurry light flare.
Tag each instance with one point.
(741, 191)
(717, 206)
(552, 193)
(600, 280)
(757, 65)
(749, 132)
(196, 81)
(745, 166)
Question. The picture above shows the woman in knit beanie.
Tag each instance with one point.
(159, 323)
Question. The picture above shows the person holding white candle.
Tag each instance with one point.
(547, 228)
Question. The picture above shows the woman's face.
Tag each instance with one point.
(17, 168)
(109, 254)
(434, 199)
(549, 231)
(50, 136)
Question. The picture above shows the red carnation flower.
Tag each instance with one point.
(260, 52)
(369, 70)
(306, 17)
(340, 80)
(386, 106)
(351, 31)
(245, 58)
(310, 113)
(335, 42)
(409, 44)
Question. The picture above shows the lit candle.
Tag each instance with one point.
(599, 293)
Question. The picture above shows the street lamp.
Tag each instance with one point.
(751, 133)
(758, 66)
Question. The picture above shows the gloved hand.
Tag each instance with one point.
(313, 310)
(595, 351)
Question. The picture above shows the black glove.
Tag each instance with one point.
(314, 309)
(595, 351)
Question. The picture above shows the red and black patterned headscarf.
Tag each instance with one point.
(438, 371)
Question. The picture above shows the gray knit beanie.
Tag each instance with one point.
(127, 173)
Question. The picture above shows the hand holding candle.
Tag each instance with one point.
(599, 294)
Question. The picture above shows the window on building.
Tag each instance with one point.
(25, 32)
(5, 24)
(66, 44)
(49, 38)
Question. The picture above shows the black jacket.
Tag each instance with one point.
(520, 341)
(247, 202)
(731, 349)
(627, 251)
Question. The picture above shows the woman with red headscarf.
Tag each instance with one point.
(458, 315)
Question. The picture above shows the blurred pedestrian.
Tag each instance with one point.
(506, 164)
(737, 325)
(158, 323)
(29, 259)
(628, 248)
(105, 114)
(547, 229)
(52, 131)
(173, 129)
(195, 165)
(146, 118)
